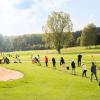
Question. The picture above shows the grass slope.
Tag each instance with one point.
(41, 83)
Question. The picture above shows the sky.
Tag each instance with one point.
(18, 17)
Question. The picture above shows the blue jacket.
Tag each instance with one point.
(93, 68)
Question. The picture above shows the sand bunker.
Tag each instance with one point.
(7, 74)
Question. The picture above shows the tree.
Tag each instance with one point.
(58, 24)
(69, 40)
(88, 35)
(78, 41)
(98, 36)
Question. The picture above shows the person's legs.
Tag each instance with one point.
(96, 76)
(53, 65)
(63, 67)
(82, 73)
(45, 63)
(74, 71)
(39, 63)
(85, 72)
(99, 82)
(91, 76)
(78, 62)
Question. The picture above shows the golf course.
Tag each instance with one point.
(46, 83)
(49, 50)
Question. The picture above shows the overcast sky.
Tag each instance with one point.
(19, 17)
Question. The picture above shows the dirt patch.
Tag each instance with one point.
(7, 74)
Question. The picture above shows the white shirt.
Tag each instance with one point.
(83, 67)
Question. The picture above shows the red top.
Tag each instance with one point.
(46, 59)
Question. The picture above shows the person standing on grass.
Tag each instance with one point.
(73, 67)
(62, 63)
(54, 62)
(79, 59)
(84, 70)
(46, 61)
(93, 71)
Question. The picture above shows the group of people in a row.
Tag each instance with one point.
(73, 65)
(36, 59)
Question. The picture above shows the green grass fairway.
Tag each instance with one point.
(42, 83)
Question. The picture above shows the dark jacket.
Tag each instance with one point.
(62, 61)
(53, 60)
(79, 57)
(93, 68)
(73, 64)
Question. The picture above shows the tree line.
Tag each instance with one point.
(89, 36)
(58, 33)
(24, 42)
(38, 42)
